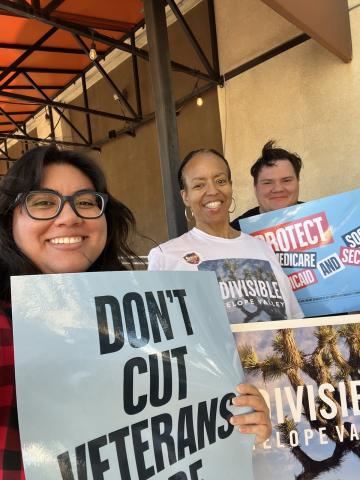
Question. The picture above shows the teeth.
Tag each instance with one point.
(213, 204)
(66, 240)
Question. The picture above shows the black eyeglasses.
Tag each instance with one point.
(48, 204)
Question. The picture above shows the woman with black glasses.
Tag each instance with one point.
(56, 216)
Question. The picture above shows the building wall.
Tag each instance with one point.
(3, 167)
(247, 28)
(306, 98)
(18, 148)
(132, 164)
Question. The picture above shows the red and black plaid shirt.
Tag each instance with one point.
(11, 467)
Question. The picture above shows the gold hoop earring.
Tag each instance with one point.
(187, 216)
(234, 208)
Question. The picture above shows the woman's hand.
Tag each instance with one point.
(258, 421)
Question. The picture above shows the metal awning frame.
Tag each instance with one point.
(134, 115)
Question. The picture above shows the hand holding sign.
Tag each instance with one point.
(138, 380)
(256, 422)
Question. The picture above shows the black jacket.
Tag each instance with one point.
(248, 213)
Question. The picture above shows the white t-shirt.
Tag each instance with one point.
(252, 283)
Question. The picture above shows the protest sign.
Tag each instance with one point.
(318, 245)
(126, 375)
(309, 377)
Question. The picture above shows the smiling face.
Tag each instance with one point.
(67, 243)
(208, 191)
(277, 186)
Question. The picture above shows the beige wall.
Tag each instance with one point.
(3, 167)
(246, 28)
(306, 98)
(132, 164)
(18, 148)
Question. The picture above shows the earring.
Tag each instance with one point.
(234, 208)
(187, 216)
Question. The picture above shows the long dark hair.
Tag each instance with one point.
(26, 175)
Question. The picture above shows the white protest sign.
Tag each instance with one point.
(126, 375)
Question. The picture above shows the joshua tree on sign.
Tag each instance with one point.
(325, 364)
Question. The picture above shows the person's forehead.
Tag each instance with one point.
(203, 164)
(59, 174)
(280, 169)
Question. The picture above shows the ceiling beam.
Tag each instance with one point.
(51, 6)
(57, 110)
(92, 22)
(5, 153)
(191, 37)
(42, 48)
(136, 77)
(11, 120)
(86, 105)
(10, 79)
(27, 53)
(22, 2)
(35, 4)
(28, 12)
(273, 52)
(75, 19)
(51, 103)
(29, 87)
(213, 38)
(18, 113)
(6, 135)
(106, 77)
(70, 71)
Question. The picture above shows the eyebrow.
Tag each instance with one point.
(204, 178)
(282, 178)
(92, 189)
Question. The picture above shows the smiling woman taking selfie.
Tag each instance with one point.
(56, 216)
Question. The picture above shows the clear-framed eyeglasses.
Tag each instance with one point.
(48, 204)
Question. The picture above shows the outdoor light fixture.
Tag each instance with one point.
(199, 101)
(92, 51)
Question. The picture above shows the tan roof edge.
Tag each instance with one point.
(326, 21)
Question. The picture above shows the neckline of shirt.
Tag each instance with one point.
(199, 233)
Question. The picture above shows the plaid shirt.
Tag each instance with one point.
(11, 467)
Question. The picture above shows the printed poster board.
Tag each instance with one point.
(126, 375)
(309, 376)
(318, 245)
